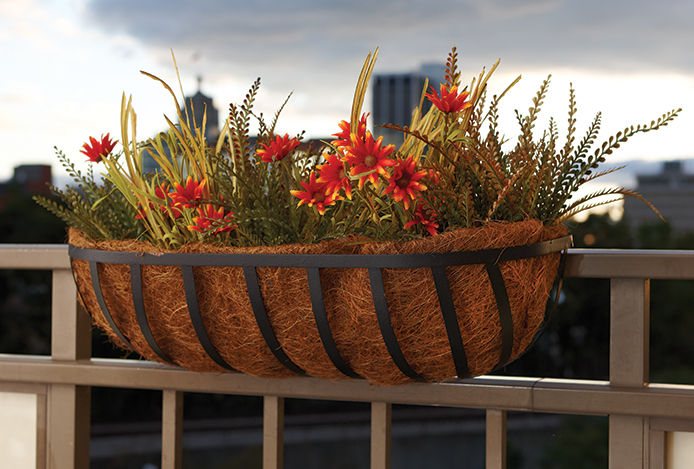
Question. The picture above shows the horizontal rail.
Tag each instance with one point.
(631, 263)
(512, 393)
(34, 256)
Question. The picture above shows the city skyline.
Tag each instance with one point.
(70, 62)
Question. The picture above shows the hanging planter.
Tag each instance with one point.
(357, 259)
(397, 312)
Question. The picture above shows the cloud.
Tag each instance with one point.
(317, 47)
(590, 33)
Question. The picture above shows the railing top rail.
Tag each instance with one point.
(587, 263)
(34, 256)
(630, 263)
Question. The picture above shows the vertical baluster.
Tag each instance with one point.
(656, 449)
(172, 429)
(68, 405)
(380, 434)
(495, 455)
(629, 336)
(273, 432)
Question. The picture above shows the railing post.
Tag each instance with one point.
(495, 457)
(171, 429)
(69, 406)
(380, 434)
(273, 432)
(629, 341)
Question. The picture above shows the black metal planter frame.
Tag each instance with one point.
(312, 263)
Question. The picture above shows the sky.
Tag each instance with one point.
(66, 64)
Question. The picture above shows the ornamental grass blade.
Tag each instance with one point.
(360, 91)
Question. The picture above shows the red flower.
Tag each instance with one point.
(162, 193)
(343, 136)
(190, 195)
(277, 149)
(368, 159)
(403, 182)
(209, 214)
(141, 214)
(426, 216)
(99, 149)
(332, 173)
(315, 194)
(450, 100)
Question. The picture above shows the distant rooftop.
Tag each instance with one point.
(671, 191)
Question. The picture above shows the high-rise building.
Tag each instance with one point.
(396, 95)
(671, 191)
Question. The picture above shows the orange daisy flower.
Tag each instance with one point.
(425, 216)
(278, 148)
(343, 136)
(315, 194)
(403, 182)
(209, 214)
(333, 175)
(190, 195)
(368, 158)
(99, 149)
(449, 100)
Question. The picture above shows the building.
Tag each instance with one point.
(33, 178)
(28, 179)
(671, 191)
(396, 95)
(196, 107)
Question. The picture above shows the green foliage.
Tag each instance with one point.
(451, 171)
(480, 182)
(258, 194)
(98, 210)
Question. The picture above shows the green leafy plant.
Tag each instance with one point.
(480, 182)
(97, 209)
(450, 171)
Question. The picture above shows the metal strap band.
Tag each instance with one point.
(450, 319)
(558, 283)
(395, 261)
(379, 297)
(196, 317)
(264, 323)
(96, 285)
(504, 307)
(552, 302)
(139, 305)
(321, 317)
(550, 308)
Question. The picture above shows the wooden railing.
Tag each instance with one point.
(640, 413)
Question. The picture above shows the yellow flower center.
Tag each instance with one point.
(370, 161)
